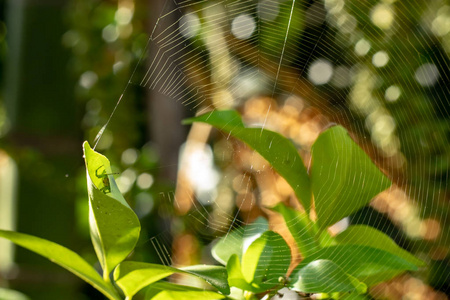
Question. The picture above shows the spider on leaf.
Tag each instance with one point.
(104, 176)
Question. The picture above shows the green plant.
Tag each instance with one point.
(342, 179)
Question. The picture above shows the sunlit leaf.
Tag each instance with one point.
(236, 277)
(113, 224)
(131, 276)
(64, 257)
(265, 261)
(170, 291)
(367, 264)
(236, 241)
(301, 228)
(324, 276)
(7, 294)
(354, 296)
(276, 149)
(214, 275)
(369, 236)
(343, 177)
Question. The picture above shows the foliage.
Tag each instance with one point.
(343, 180)
(342, 267)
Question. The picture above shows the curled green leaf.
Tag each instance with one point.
(113, 224)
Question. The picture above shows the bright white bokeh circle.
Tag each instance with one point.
(243, 26)
(320, 72)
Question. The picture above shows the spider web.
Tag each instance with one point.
(373, 67)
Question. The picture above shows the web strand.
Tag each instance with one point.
(319, 55)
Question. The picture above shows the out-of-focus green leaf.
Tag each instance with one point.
(301, 228)
(276, 149)
(64, 257)
(131, 276)
(283, 32)
(170, 291)
(236, 241)
(6, 294)
(369, 236)
(114, 225)
(343, 177)
(236, 277)
(354, 296)
(324, 276)
(325, 239)
(367, 264)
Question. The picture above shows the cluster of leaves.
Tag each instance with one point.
(342, 179)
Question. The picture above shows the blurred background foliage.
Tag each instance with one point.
(379, 67)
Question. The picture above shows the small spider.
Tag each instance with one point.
(104, 176)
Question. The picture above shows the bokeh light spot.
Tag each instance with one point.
(88, 79)
(123, 15)
(189, 25)
(145, 181)
(427, 75)
(268, 10)
(392, 93)
(380, 59)
(129, 156)
(126, 180)
(144, 204)
(320, 72)
(341, 77)
(382, 16)
(362, 47)
(110, 33)
(243, 26)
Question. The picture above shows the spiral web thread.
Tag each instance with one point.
(331, 54)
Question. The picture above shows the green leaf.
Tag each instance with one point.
(64, 257)
(236, 277)
(276, 149)
(131, 276)
(367, 264)
(369, 236)
(265, 261)
(170, 291)
(325, 239)
(236, 241)
(114, 225)
(214, 275)
(354, 296)
(301, 228)
(7, 294)
(343, 177)
(324, 276)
